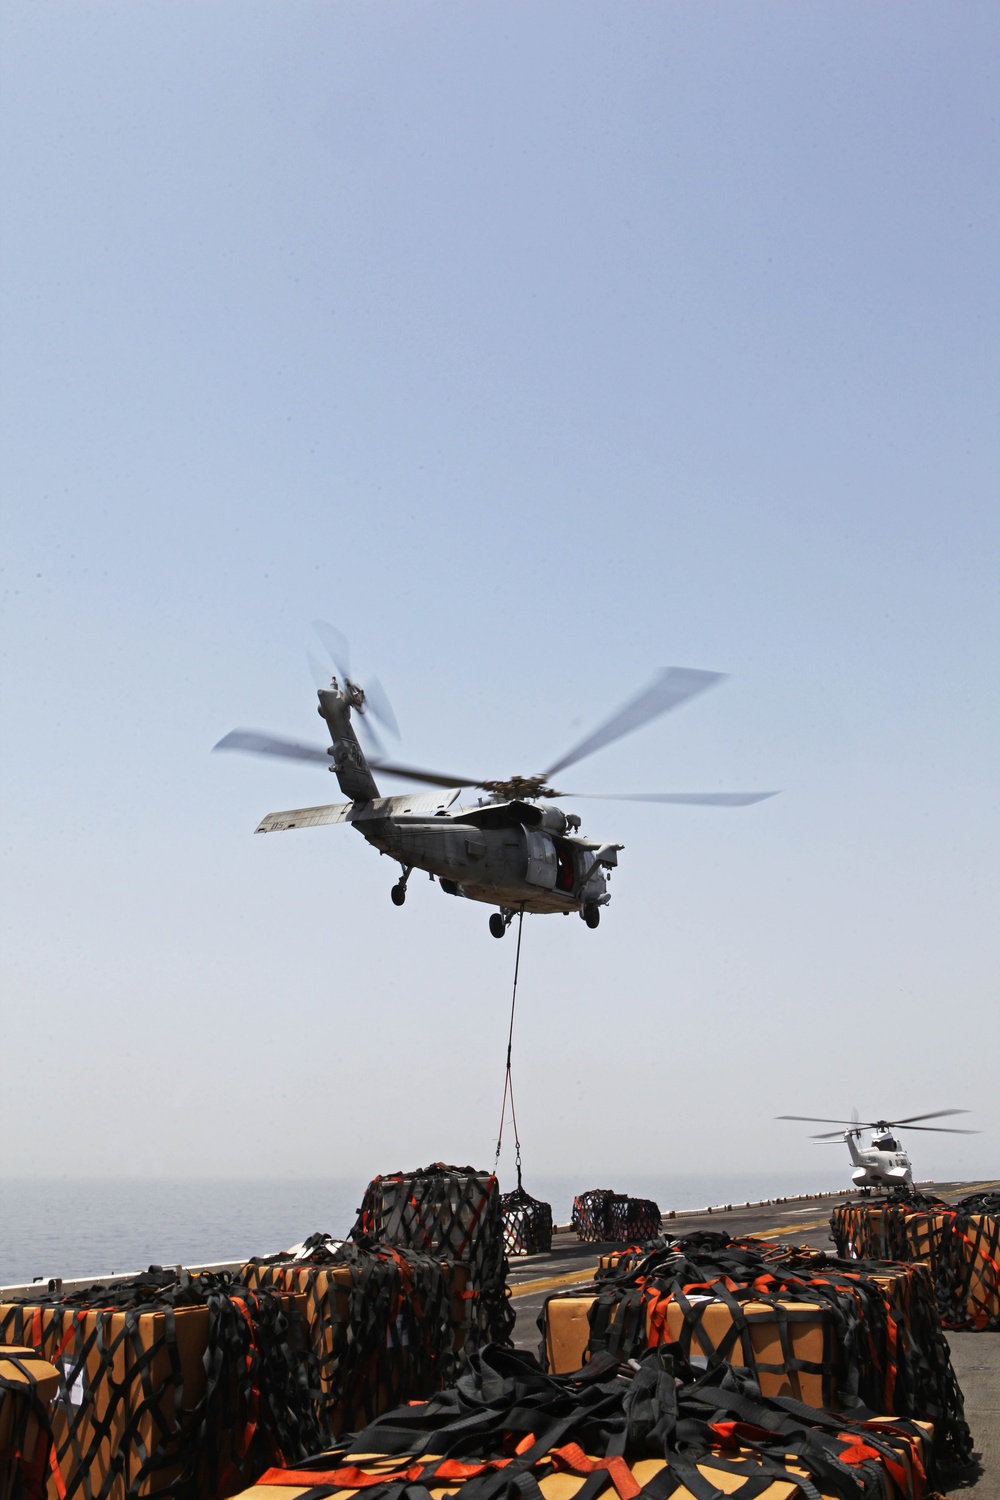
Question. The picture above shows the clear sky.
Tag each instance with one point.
(537, 346)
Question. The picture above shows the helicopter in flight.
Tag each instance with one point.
(883, 1162)
(513, 849)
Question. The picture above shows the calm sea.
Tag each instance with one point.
(101, 1227)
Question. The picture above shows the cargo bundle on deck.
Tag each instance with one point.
(453, 1213)
(613, 1432)
(189, 1385)
(603, 1214)
(168, 1385)
(960, 1245)
(808, 1326)
(527, 1223)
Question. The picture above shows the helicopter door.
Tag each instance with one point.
(542, 863)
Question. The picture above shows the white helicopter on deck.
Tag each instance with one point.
(883, 1162)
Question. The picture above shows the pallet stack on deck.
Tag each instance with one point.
(817, 1330)
(959, 1244)
(648, 1429)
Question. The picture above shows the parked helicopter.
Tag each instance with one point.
(883, 1163)
(512, 850)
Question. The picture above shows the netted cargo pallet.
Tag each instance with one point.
(829, 1332)
(385, 1325)
(527, 1223)
(602, 1214)
(654, 1430)
(959, 1245)
(186, 1387)
(452, 1212)
(27, 1386)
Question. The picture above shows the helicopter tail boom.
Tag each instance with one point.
(347, 759)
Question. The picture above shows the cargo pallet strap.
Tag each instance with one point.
(881, 1350)
(508, 1428)
(508, 1082)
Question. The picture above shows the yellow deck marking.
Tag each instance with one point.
(548, 1283)
(770, 1234)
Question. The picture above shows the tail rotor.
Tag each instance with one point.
(370, 702)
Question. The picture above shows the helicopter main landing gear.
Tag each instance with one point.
(500, 921)
(398, 892)
(591, 914)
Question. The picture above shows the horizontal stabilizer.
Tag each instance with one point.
(422, 804)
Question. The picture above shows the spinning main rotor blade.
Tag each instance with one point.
(817, 1120)
(674, 686)
(934, 1115)
(940, 1129)
(269, 744)
(410, 773)
(692, 799)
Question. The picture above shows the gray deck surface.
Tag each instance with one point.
(975, 1356)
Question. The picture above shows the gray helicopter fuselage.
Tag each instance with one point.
(513, 854)
(882, 1164)
(514, 849)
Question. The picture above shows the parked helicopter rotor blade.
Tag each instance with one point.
(411, 773)
(935, 1114)
(688, 799)
(674, 686)
(269, 744)
(944, 1129)
(829, 1135)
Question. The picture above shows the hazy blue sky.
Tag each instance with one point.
(537, 346)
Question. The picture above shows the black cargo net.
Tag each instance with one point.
(184, 1387)
(960, 1245)
(880, 1346)
(450, 1212)
(508, 1428)
(385, 1325)
(527, 1223)
(603, 1214)
(981, 1203)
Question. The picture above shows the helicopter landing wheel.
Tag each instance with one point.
(398, 894)
(497, 925)
(592, 914)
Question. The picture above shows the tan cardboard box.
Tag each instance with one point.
(119, 1396)
(567, 1331)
